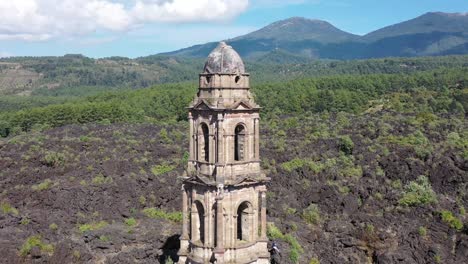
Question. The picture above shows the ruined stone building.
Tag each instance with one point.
(224, 191)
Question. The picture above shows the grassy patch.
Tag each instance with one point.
(35, 241)
(422, 231)
(161, 169)
(92, 226)
(46, 184)
(451, 220)
(158, 213)
(130, 222)
(296, 249)
(8, 209)
(100, 179)
(54, 159)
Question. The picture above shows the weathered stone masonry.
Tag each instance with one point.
(224, 191)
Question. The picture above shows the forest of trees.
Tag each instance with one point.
(443, 90)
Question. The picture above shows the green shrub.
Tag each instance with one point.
(8, 209)
(46, 184)
(158, 213)
(53, 226)
(274, 233)
(161, 169)
(104, 238)
(295, 248)
(130, 221)
(294, 164)
(314, 261)
(346, 145)
(311, 214)
(418, 192)
(100, 179)
(92, 226)
(422, 231)
(25, 221)
(35, 241)
(418, 141)
(54, 159)
(451, 220)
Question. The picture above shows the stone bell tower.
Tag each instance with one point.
(224, 191)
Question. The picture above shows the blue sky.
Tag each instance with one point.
(132, 28)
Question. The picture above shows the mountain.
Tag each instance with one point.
(300, 29)
(301, 36)
(425, 24)
(431, 34)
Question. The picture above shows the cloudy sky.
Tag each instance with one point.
(132, 28)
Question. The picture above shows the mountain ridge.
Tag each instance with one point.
(431, 34)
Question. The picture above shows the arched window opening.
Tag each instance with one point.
(198, 222)
(208, 79)
(237, 79)
(214, 214)
(239, 143)
(204, 143)
(244, 219)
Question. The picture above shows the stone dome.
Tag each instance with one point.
(225, 60)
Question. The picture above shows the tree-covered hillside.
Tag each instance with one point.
(76, 75)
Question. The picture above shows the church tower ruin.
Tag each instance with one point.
(224, 191)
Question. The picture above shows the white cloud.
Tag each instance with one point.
(281, 3)
(44, 19)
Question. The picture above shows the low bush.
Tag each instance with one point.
(418, 192)
(161, 169)
(35, 241)
(451, 220)
(311, 214)
(46, 184)
(158, 213)
(346, 145)
(8, 209)
(130, 221)
(92, 226)
(54, 159)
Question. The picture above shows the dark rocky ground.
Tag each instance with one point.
(82, 190)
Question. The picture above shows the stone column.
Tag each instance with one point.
(263, 232)
(185, 234)
(219, 225)
(184, 240)
(219, 250)
(192, 139)
(257, 138)
(221, 159)
(206, 219)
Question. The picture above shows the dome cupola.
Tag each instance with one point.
(224, 60)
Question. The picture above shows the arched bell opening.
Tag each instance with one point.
(240, 144)
(244, 221)
(198, 222)
(203, 143)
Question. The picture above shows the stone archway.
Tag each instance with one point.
(203, 143)
(198, 222)
(245, 221)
